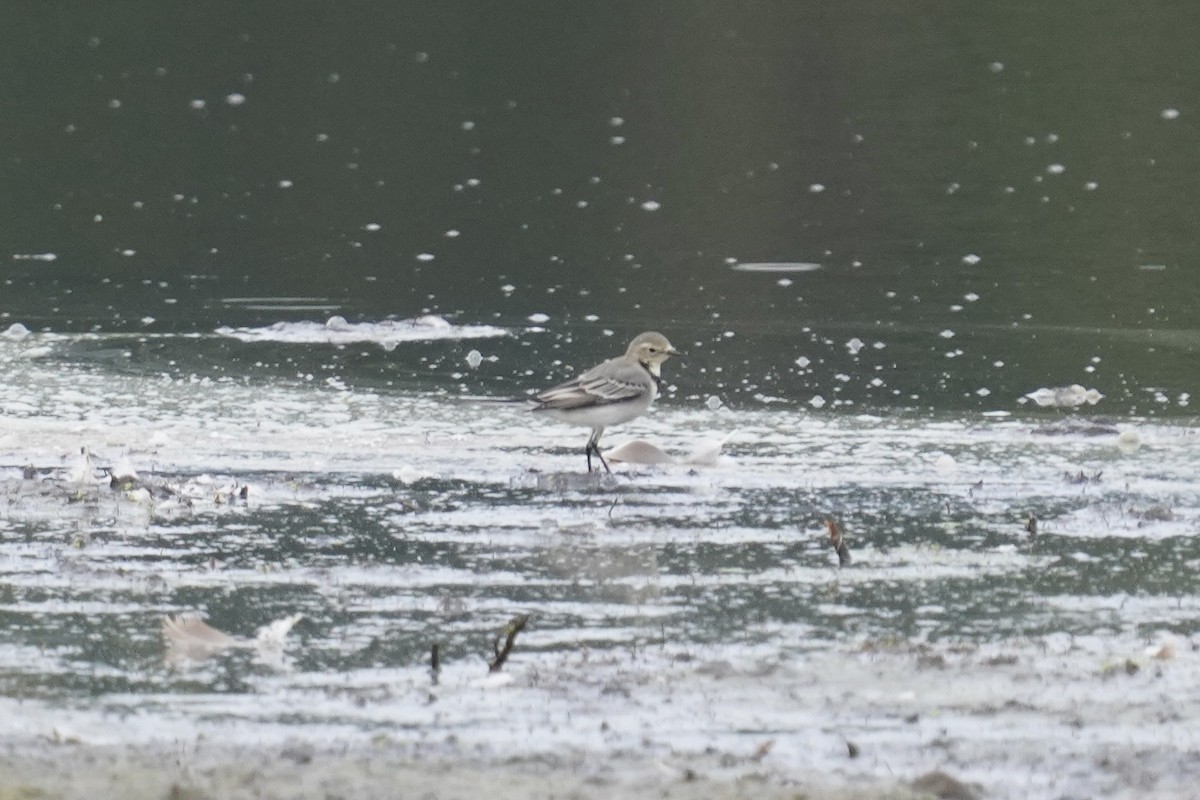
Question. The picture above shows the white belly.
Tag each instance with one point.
(603, 415)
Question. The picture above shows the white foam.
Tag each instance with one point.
(338, 331)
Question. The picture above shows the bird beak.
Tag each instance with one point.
(679, 353)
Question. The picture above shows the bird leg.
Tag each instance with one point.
(593, 446)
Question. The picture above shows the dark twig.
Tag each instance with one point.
(837, 541)
(510, 637)
(435, 662)
(1031, 526)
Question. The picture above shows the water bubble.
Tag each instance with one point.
(854, 345)
(947, 334)
(803, 362)
(713, 402)
(474, 359)
(538, 318)
(817, 188)
(235, 99)
(1056, 169)
(1170, 113)
(651, 205)
(817, 401)
(971, 259)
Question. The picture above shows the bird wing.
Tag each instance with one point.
(608, 383)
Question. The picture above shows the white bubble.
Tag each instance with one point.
(538, 318)
(197, 104)
(854, 345)
(802, 362)
(1056, 169)
(817, 401)
(713, 402)
(474, 359)
(817, 188)
(651, 205)
(971, 258)
(947, 334)
(1170, 113)
(425, 256)
(285, 184)
(235, 99)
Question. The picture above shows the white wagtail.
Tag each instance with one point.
(613, 392)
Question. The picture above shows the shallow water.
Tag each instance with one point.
(673, 608)
(934, 270)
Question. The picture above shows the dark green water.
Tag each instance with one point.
(517, 144)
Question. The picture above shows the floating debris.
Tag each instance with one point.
(1129, 442)
(1080, 479)
(1071, 396)
(509, 636)
(189, 637)
(82, 470)
(15, 331)
(838, 542)
(639, 451)
(1031, 526)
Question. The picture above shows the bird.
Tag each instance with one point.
(616, 391)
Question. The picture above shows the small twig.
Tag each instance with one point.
(1031, 526)
(837, 541)
(510, 637)
(435, 661)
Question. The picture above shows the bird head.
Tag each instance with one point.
(651, 349)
